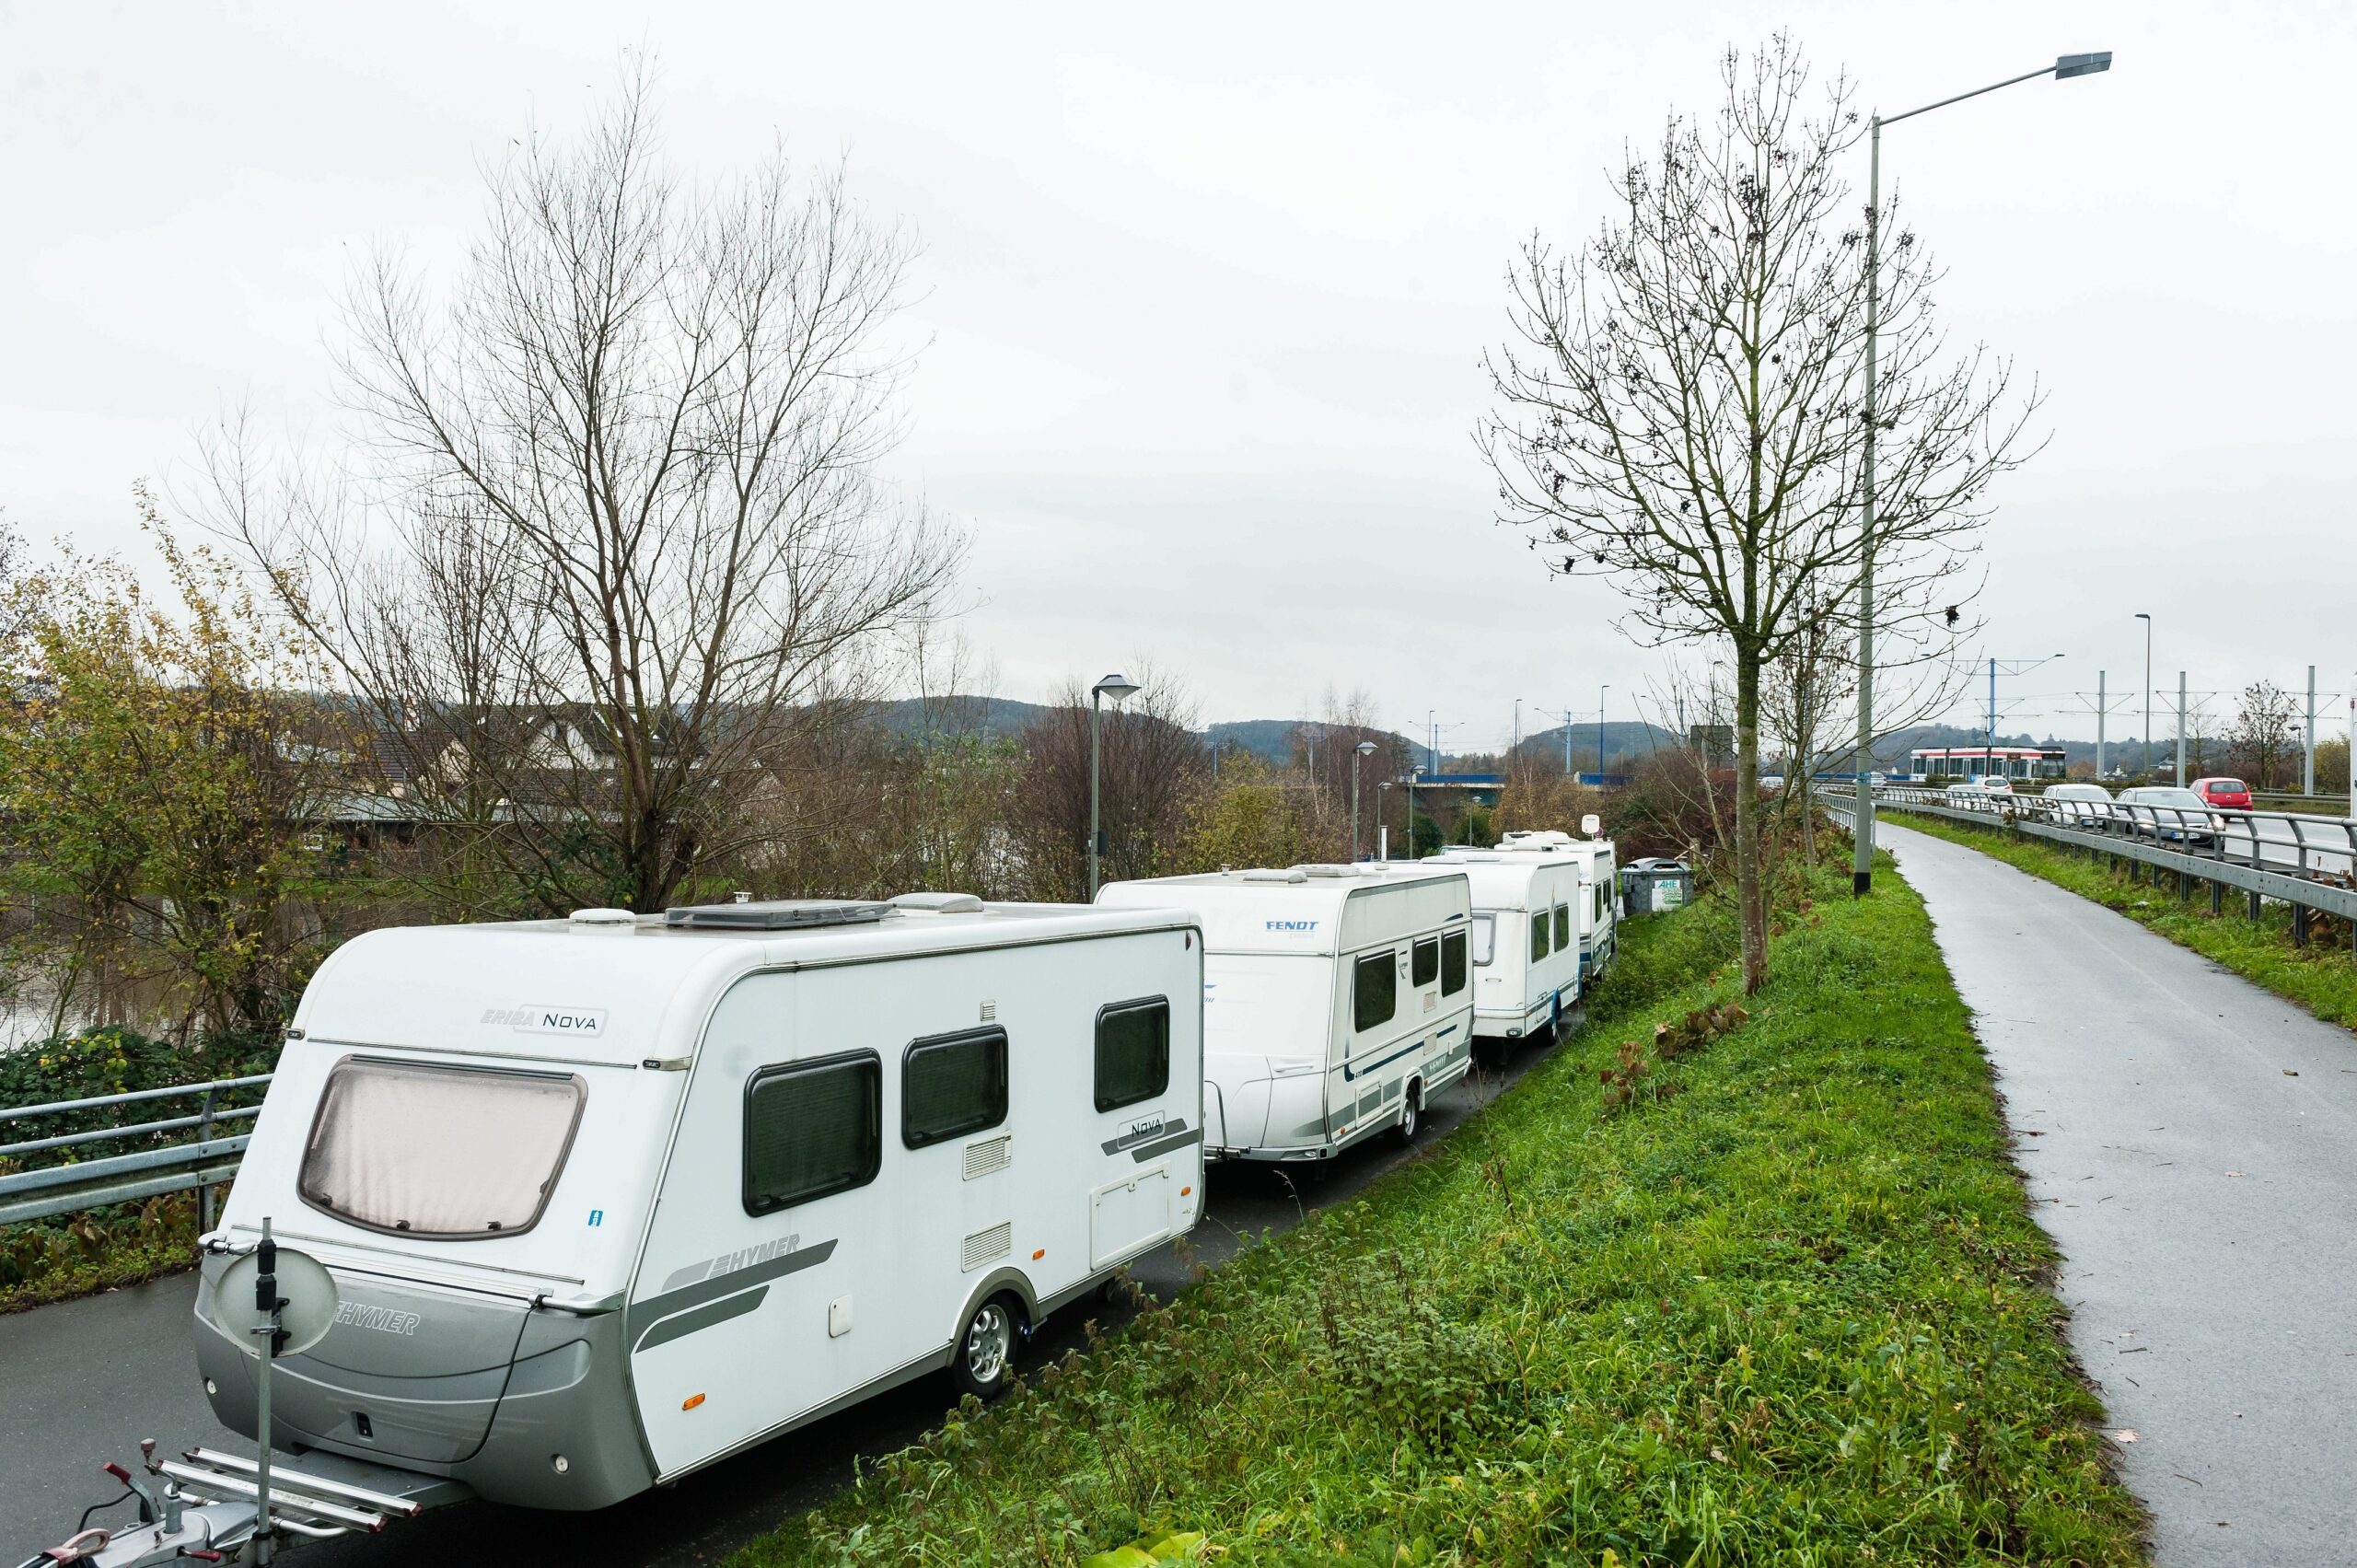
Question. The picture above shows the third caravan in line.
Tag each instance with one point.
(1337, 1000)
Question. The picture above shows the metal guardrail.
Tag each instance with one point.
(75, 1183)
(2306, 861)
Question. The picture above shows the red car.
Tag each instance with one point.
(2232, 794)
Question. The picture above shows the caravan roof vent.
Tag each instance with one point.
(1264, 874)
(777, 915)
(1328, 870)
(939, 903)
(604, 919)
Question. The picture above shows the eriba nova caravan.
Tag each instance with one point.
(608, 1198)
(1337, 1000)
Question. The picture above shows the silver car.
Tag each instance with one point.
(2167, 812)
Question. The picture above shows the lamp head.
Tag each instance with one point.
(1114, 686)
(1366, 747)
(2082, 64)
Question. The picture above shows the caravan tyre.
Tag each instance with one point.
(982, 1361)
(1411, 1107)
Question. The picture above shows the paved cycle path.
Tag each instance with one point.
(2205, 1198)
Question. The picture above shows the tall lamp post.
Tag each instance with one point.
(1358, 765)
(1382, 788)
(1117, 687)
(1414, 775)
(1599, 734)
(2068, 65)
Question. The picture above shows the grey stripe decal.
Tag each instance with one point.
(1145, 1152)
(679, 1300)
(1129, 1140)
(1349, 1073)
(680, 1325)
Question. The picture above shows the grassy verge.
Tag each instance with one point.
(2321, 976)
(1786, 1305)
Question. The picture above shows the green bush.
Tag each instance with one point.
(71, 1255)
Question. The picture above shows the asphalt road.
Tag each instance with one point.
(82, 1382)
(2191, 1142)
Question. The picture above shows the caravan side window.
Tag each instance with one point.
(1538, 936)
(1132, 1052)
(1424, 967)
(1562, 927)
(1452, 963)
(1485, 939)
(812, 1129)
(952, 1085)
(1375, 990)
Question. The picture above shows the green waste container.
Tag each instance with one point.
(1656, 885)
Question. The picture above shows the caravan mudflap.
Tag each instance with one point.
(204, 1505)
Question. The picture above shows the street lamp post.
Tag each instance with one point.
(1599, 734)
(1116, 687)
(2147, 768)
(1382, 788)
(1358, 765)
(2068, 65)
(1414, 775)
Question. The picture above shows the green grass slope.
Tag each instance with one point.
(1785, 1305)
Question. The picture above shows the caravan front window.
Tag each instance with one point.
(1485, 939)
(812, 1129)
(1562, 927)
(448, 1153)
(1539, 935)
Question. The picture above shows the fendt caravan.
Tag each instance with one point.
(1599, 906)
(1525, 942)
(610, 1198)
(1337, 1000)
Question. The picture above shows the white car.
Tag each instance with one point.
(2080, 802)
(1992, 783)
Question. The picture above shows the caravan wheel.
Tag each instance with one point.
(983, 1363)
(1411, 1105)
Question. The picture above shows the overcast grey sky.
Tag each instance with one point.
(1206, 292)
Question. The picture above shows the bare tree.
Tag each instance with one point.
(2265, 734)
(624, 521)
(1685, 409)
(1153, 764)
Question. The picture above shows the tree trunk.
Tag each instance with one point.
(1748, 896)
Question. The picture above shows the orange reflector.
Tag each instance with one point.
(1184, 1191)
(692, 1401)
(1040, 1253)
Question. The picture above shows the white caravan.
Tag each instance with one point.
(1337, 1000)
(1600, 901)
(1526, 941)
(609, 1199)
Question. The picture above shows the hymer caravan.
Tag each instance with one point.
(1337, 1000)
(1600, 905)
(1526, 941)
(608, 1198)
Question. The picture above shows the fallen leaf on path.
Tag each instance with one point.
(2125, 1435)
(2289, 1073)
(2234, 1173)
